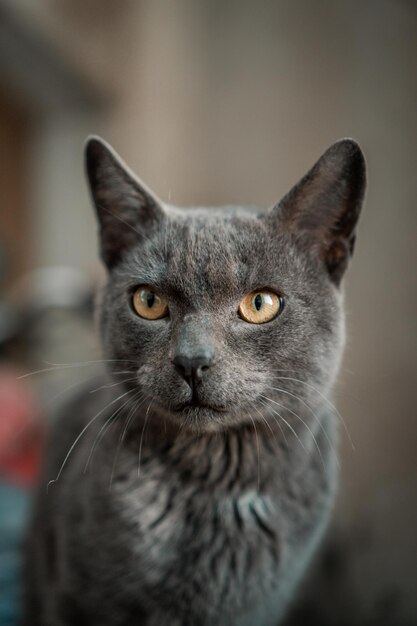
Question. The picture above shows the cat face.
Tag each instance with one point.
(213, 309)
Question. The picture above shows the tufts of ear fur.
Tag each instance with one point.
(323, 208)
(126, 209)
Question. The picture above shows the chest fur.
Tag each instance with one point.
(218, 549)
(205, 532)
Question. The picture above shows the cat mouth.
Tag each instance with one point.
(194, 403)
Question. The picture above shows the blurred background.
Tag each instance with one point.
(217, 102)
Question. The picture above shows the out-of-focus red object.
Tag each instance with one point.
(20, 430)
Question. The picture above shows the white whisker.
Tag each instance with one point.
(305, 424)
(264, 420)
(141, 437)
(104, 428)
(328, 402)
(277, 422)
(59, 366)
(137, 401)
(307, 405)
(110, 385)
(257, 448)
(96, 416)
(286, 423)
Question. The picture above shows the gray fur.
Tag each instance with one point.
(220, 521)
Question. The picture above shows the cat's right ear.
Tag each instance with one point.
(126, 208)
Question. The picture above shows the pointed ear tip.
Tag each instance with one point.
(348, 147)
(97, 153)
(93, 145)
(348, 153)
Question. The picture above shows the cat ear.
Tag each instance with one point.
(126, 209)
(323, 208)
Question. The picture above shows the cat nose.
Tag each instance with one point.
(193, 368)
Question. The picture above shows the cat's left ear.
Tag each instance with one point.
(125, 207)
(322, 210)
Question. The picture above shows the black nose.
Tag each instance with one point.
(193, 368)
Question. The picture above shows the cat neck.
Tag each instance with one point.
(246, 457)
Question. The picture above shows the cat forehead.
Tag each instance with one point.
(192, 238)
(204, 250)
(209, 214)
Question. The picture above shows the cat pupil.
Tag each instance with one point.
(150, 299)
(258, 302)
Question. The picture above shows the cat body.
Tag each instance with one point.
(194, 485)
(192, 540)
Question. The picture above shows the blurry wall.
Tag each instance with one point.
(15, 235)
(230, 102)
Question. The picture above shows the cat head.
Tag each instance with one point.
(218, 312)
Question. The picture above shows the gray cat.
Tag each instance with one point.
(195, 485)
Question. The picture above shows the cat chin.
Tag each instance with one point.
(199, 418)
(204, 419)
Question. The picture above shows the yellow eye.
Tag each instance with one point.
(260, 306)
(149, 304)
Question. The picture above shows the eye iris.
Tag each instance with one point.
(261, 306)
(257, 301)
(148, 304)
(150, 299)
